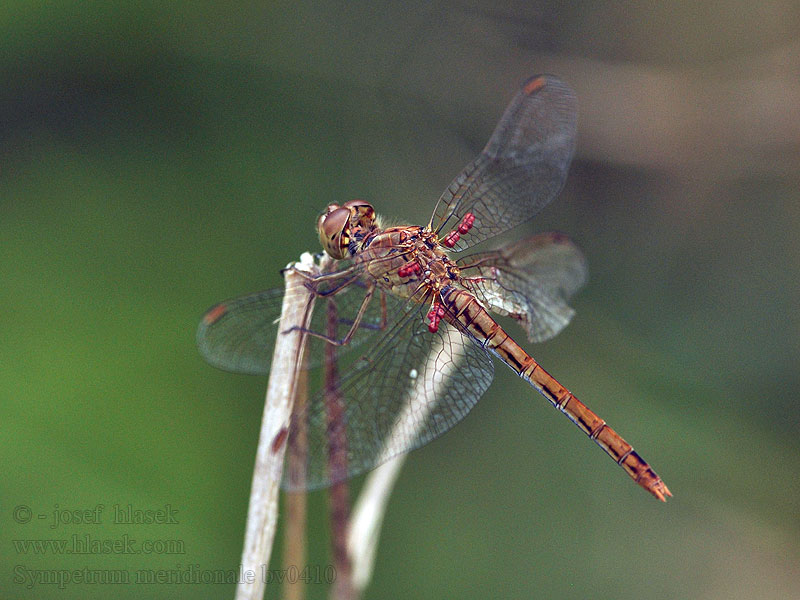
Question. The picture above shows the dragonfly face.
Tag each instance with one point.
(341, 229)
(418, 307)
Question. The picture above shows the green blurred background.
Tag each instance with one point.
(158, 157)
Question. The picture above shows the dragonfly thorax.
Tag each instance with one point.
(342, 228)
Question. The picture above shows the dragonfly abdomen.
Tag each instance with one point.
(464, 307)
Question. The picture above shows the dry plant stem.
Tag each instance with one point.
(338, 496)
(365, 524)
(367, 518)
(262, 515)
(294, 536)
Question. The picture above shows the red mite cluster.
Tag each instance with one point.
(437, 310)
(466, 224)
(435, 315)
(409, 269)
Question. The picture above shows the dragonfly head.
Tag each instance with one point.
(339, 227)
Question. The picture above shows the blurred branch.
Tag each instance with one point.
(367, 516)
(716, 121)
(720, 120)
(338, 493)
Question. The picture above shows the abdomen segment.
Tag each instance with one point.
(464, 308)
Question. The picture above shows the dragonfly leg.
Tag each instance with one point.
(340, 279)
(353, 327)
(311, 278)
(335, 287)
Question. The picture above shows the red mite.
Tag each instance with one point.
(450, 239)
(466, 224)
(279, 439)
(409, 269)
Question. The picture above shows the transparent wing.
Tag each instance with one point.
(238, 335)
(530, 280)
(521, 169)
(405, 391)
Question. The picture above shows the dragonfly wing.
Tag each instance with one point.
(530, 280)
(407, 390)
(239, 335)
(521, 169)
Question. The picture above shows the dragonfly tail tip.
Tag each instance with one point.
(661, 491)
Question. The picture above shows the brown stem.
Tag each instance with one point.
(337, 463)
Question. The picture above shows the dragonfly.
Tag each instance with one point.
(414, 316)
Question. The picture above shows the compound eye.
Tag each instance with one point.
(333, 223)
(356, 203)
(332, 229)
(363, 213)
